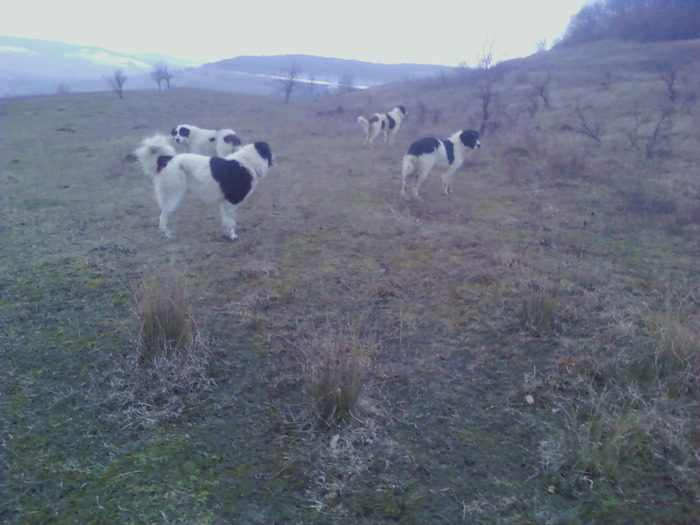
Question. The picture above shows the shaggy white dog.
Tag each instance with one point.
(428, 152)
(389, 123)
(227, 181)
(220, 142)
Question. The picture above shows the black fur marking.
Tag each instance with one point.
(232, 139)
(469, 138)
(392, 122)
(403, 110)
(174, 132)
(162, 162)
(264, 151)
(184, 132)
(449, 150)
(212, 139)
(423, 146)
(235, 181)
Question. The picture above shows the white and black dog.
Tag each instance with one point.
(387, 122)
(227, 181)
(428, 152)
(220, 142)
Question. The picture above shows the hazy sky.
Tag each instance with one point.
(443, 32)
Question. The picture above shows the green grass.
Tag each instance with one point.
(533, 355)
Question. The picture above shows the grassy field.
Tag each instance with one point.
(524, 351)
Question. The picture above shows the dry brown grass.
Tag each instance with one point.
(336, 362)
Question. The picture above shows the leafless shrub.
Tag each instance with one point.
(668, 72)
(541, 89)
(586, 127)
(658, 132)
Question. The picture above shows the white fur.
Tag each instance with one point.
(418, 166)
(204, 141)
(192, 172)
(381, 122)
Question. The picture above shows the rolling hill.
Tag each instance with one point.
(33, 67)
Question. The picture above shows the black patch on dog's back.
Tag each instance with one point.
(392, 122)
(423, 146)
(162, 162)
(449, 150)
(235, 181)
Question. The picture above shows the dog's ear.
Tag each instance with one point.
(174, 132)
(232, 139)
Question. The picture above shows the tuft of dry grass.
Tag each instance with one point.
(336, 363)
(538, 311)
(163, 312)
(171, 358)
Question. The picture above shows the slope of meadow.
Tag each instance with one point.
(525, 350)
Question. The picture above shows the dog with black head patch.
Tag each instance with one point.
(389, 123)
(227, 181)
(429, 152)
(202, 141)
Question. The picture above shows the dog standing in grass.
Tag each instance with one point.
(428, 152)
(389, 123)
(221, 142)
(226, 181)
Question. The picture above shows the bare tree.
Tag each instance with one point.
(486, 79)
(161, 74)
(117, 82)
(288, 80)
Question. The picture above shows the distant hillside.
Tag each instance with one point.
(38, 67)
(32, 67)
(329, 70)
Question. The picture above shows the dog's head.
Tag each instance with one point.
(265, 152)
(181, 133)
(470, 138)
(403, 110)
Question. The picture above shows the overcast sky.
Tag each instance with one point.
(445, 32)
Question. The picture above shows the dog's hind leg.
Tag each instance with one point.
(163, 224)
(228, 218)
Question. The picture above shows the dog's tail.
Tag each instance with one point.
(363, 122)
(227, 142)
(154, 154)
(408, 166)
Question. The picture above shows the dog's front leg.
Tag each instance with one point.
(228, 219)
(447, 181)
